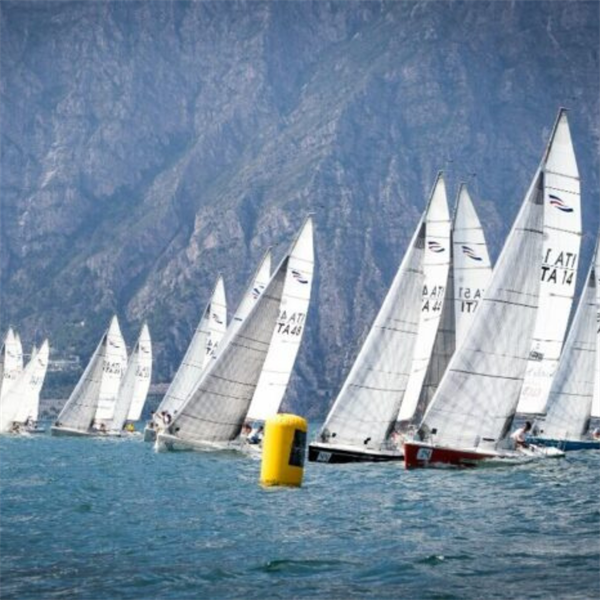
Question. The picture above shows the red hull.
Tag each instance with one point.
(418, 456)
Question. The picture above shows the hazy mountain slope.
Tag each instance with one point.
(148, 146)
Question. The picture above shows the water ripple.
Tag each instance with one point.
(107, 519)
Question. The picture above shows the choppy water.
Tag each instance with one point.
(110, 519)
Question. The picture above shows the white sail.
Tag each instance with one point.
(468, 277)
(366, 407)
(115, 363)
(288, 331)
(216, 322)
(143, 375)
(79, 411)
(471, 263)
(562, 241)
(216, 409)
(477, 397)
(9, 363)
(596, 398)
(570, 398)
(197, 355)
(19, 346)
(29, 405)
(436, 264)
(257, 286)
(135, 383)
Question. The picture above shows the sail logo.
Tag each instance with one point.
(297, 275)
(468, 251)
(435, 246)
(113, 344)
(216, 317)
(559, 203)
(257, 291)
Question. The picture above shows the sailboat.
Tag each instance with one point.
(362, 419)
(198, 356)
(473, 408)
(10, 366)
(570, 401)
(19, 408)
(100, 381)
(134, 384)
(213, 414)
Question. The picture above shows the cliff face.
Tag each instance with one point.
(148, 146)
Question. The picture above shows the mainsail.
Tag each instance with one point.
(207, 336)
(216, 409)
(288, 331)
(436, 264)
(468, 276)
(135, 383)
(562, 226)
(115, 363)
(216, 322)
(570, 399)
(29, 405)
(471, 263)
(477, 397)
(366, 408)
(9, 363)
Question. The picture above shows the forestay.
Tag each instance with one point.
(436, 263)
(198, 353)
(368, 403)
(289, 329)
(558, 270)
(113, 369)
(570, 398)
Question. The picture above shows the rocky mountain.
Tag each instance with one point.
(149, 146)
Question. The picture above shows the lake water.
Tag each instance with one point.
(110, 519)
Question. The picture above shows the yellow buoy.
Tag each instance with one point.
(284, 450)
